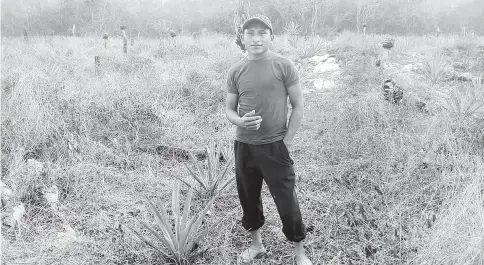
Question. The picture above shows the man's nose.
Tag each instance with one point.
(256, 38)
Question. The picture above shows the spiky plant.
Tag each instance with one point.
(293, 30)
(214, 179)
(181, 237)
(434, 67)
(312, 46)
(467, 101)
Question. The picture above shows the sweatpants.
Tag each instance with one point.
(271, 163)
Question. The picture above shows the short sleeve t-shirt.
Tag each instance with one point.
(262, 86)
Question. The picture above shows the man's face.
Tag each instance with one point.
(257, 38)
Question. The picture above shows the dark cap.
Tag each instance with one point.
(263, 19)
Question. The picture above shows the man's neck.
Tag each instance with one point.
(256, 57)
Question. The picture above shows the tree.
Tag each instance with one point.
(365, 11)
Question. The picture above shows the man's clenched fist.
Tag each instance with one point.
(250, 121)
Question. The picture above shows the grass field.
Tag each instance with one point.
(378, 183)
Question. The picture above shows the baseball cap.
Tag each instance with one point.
(265, 20)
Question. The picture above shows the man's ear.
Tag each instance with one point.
(272, 37)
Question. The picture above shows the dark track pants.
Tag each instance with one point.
(271, 163)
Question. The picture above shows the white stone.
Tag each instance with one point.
(6, 194)
(336, 74)
(323, 68)
(52, 195)
(64, 239)
(319, 59)
(331, 60)
(18, 212)
(407, 68)
(320, 84)
(35, 165)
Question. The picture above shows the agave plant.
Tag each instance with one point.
(214, 178)
(434, 67)
(314, 45)
(467, 101)
(181, 237)
(293, 30)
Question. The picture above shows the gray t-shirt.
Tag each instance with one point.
(262, 86)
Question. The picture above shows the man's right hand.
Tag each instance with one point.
(250, 122)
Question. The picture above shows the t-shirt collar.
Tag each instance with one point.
(268, 53)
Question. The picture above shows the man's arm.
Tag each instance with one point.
(297, 103)
(248, 121)
(231, 104)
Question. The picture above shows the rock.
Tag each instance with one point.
(409, 68)
(18, 212)
(464, 77)
(331, 60)
(64, 239)
(422, 107)
(13, 217)
(460, 66)
(329, 65)
(7, 220)
(51, 195)
(319, 59)
(35, 165)
(468, 77)
(320, 84)
(6, 194)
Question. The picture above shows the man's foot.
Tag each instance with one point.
(302, 259)
(251, 253)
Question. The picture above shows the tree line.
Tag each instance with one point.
(152, 18)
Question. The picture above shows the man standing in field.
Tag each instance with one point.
(258, 87)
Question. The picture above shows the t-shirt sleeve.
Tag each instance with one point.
(291, 75)
(231, 84)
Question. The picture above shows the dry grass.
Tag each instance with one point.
(378, 183)
(458, 237)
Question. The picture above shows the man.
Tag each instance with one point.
(258, 87)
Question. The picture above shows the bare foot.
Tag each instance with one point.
(302, 259)
(250, 254)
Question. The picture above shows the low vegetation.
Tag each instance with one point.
(182, 240)
(378, 183)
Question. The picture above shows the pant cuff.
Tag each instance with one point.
(296, 235)
(252, 226)
(296, 238)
